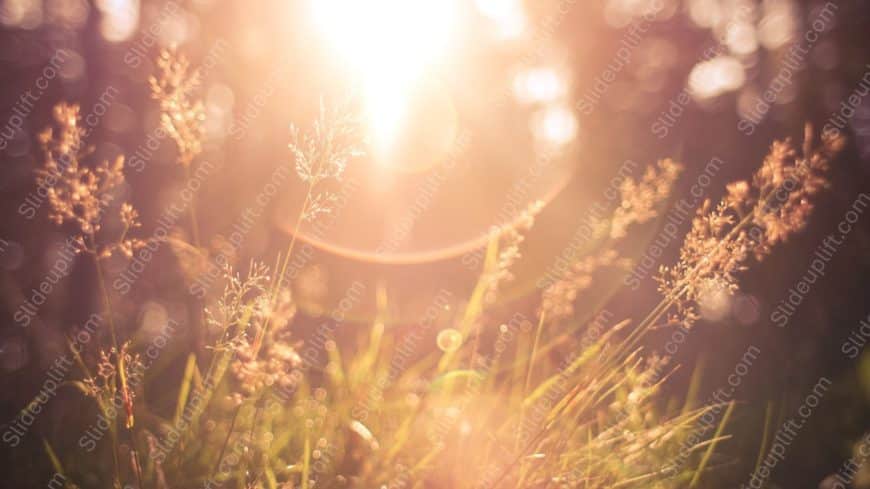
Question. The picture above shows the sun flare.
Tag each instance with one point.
(388, 45)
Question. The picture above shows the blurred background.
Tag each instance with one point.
(473, 110)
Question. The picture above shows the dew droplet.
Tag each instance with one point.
(449, 340)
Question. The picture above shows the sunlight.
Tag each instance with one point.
(389, 45)
(507, 15)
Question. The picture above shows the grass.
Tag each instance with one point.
(533, 400)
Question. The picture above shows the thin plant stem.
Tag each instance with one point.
(191, 208)
(137, 460)
(252, 433)
(106, 300)
(762, 449)
(109, 312)
(706, 458)
(306, 459)
(226, 442)
(531, 367)
(529, 371)
(199, 319)
(279, 279)
(115, 458)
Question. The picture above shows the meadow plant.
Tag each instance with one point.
(532, 402)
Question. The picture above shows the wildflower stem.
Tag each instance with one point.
(762, 449)
(306, 460)
(534, 352)
(217, 462)
(198, 323)
(109, 312)
(529, 371)
(106, 299)
(251, 435)
(113, 432)
(287, 255)
(191, 207)
(137, 461)
(279, 279)
(697, 477)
